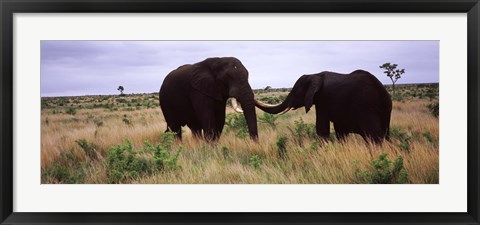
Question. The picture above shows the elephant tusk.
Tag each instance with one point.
(265, 104)
(235, 106)
(286, 110)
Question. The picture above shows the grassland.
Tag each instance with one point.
(120, 139)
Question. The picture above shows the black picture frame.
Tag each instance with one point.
(9, 7)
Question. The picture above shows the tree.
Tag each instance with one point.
(120, 88)
(393, 73)
(267, 88)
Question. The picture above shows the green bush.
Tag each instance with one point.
(125, 163)
(268, 119)
(271, 100)
(434, 108)
(63, 174)
(314, 146)
(71, 111)
(90, 149)
(282, 147)
(303, 130)
(44, 105)
(429, 138)
(255, 161)
(242, 134)
(403, 137)
(126, 120)
(236, 122)
(383, 172)
(226, 153)
(162, 157)
(98, 122)
(397, 97)
(67, 169)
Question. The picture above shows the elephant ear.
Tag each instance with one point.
(204, 81)
(315, 84)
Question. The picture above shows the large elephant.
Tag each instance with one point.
(196, 95)
(355, 103)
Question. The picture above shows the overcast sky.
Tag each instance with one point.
(72, 68)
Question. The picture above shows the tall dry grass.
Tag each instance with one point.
(230, 159)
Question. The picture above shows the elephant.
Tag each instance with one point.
(196, 95)
(354, 103)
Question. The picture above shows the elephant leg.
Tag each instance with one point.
(196, 129)
(341, 136)
(177, 129)
(341, 132)
(372, 131)
(220, 120)
(322, 124)
(375, 138)
(174, 122)
(208, 124)
(210, 133)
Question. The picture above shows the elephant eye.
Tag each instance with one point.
(235, 67)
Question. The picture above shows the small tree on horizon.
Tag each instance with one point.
(121, 89)
(393, 73)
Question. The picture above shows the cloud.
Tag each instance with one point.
(99, 67)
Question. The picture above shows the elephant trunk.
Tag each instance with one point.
(251, 118)
(274, 109)
(248, 106)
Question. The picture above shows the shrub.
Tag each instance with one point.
(429, 138)
(314, 146)
(242, 134)
(433, 108)
(44, 105)
(268, 119)
(67, 169)
(383, 172)
(65, 174)
(123, 163)
(121, 100)
(303, 130)
(90, 149)
(403, 138)
(226, 153)
(71, 111)
(162, 157)
(255, 161)
(127, 121)
(269, 100)
(237, 122)
(282, 146)
(98, 122)
(397, 97)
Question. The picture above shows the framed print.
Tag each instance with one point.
(240, 112)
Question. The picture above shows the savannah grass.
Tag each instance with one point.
(83, 139)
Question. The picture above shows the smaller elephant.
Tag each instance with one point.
(354, 103)
(196, 95)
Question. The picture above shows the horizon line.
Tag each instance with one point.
(156, 92)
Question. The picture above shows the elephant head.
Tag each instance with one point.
(302, 94)
(223, 78)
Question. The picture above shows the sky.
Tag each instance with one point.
(75, 68)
